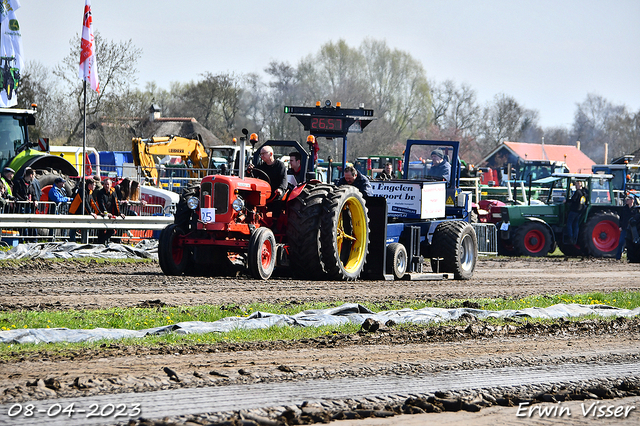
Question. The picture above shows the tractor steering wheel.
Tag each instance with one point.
(260, 174)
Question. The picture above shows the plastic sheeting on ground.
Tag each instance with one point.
(347, 313)
(147, 249)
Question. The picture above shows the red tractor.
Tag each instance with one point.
(229, 220)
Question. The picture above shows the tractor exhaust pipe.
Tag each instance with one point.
(241, 161)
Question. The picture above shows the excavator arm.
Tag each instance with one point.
(144, 151)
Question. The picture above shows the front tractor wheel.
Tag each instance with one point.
(262, 253)
(601, 235)
(172, 256)
(533, 239)
(344, 234)
(454, 249)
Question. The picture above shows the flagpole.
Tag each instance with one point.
(85, 236)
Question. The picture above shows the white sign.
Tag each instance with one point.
(207, 215)
(419, 200)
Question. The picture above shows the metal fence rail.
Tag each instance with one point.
(487, 235)
(154, 223)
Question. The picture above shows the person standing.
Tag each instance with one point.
(7, 181)
(58, 195)
(27, 188)
(352, 177)
(625, 215)
(108, 204)
(576, 205)
(83, 204)
(387, 173)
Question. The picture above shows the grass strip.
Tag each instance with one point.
(141, 318)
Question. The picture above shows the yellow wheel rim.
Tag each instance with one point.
(357, 238)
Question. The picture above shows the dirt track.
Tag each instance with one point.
(45, 285)
(71, 285)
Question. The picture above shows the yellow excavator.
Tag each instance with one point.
(191, 151)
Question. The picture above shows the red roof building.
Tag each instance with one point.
(512, 152)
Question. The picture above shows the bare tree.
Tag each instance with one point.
(595, 119)
(504, 120)
(116, 63)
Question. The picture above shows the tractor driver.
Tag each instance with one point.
(440, 167)
(275, 170)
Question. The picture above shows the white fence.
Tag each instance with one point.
(26, 221)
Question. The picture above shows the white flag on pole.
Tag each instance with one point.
(88, 62)
(11, 61)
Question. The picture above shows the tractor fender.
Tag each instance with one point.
(44, 162)
(296, 191)
(546, 225)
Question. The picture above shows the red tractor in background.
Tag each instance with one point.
(229, 220)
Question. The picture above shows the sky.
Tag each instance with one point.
(547, 54)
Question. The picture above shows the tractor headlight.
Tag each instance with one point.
(192, 203)
(238, 204)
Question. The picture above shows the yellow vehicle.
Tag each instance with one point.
(147, 153)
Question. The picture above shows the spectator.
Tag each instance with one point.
(108, 205)
(296, 173)
(58, 194)
(98, 183)
(122, 189)
(27, 188)
(6, 181)
(133, 199)
(387, 173)
(352, 177)
(83, 204)
(625, 215)
(440, 167)
(575, 205)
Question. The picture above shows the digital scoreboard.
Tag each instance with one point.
(331, 121)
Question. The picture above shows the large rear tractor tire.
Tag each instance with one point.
(303, 231)
(173, 258)
(46, 178)
(601, 234)
(344, 234)
(262, 253)
(455, 244)
(533, 239)
(397, 260)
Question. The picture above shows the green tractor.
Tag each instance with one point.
(538, 227)
(18, 151)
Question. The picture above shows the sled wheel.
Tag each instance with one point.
(455, 244)
(397, 260)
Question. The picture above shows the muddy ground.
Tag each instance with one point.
(45, 285)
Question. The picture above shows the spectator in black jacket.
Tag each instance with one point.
(625, 215)
(83, 204)
(108, 204)
(27, 188)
